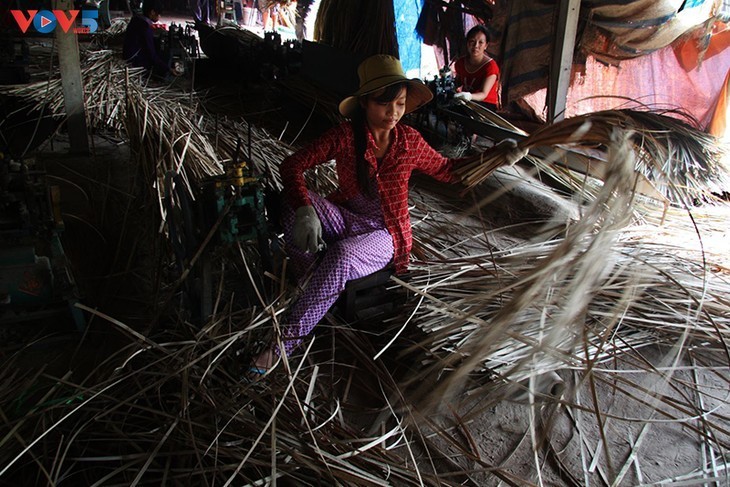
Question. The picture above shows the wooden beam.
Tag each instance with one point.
(71, 81)
(562, 59)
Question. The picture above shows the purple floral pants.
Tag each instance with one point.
(358, 244)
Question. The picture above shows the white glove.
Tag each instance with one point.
(463, 95)
(512, 152)
(307, 231)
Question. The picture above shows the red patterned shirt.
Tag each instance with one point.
(408, 152)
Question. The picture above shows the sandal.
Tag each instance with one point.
(256, 372)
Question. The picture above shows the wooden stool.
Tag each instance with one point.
(368, 297)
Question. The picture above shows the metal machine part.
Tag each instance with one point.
(456, 121)
(36, 282)
(279, 58)
(178, 45)
(14, 58)
(225, 212)
(443, 87)
(236, 202)
(232, 206)
(249, 57)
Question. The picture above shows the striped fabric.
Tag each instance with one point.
(623, 29)
(612, 31)
(527, 44)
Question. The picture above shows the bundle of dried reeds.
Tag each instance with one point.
(236, 47)
(104, 78)
(606, 292)
(180, 411)
(178, 408)
(101, 38)
(682, 161)
(480, 113)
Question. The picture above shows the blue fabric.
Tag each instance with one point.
(409, 44)
(692, 3)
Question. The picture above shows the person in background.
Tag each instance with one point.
(364, 225)
(269, 11)
(139, 43)
(476, 73)
(201, 11)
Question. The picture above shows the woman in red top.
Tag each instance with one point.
(364, 225)
(476, 73)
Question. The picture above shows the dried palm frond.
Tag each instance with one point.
(236, 47)
(498, 323)
(104, 78)
(485, 274)
(480, 113)
(180, 408)
(117, 28)
(577, 264)
(682, 161)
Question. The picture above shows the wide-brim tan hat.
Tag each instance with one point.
(380, 71)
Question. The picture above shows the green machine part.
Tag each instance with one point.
(246, 217)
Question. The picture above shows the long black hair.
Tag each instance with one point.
(360, 136)
(150, 5)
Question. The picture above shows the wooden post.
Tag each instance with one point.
(562, 59)
(73, 90)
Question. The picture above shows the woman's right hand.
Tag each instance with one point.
(463, 95)
(307, 231)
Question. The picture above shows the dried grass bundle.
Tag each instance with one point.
(498, 324)
(682, 161)
(178, 408)
(117, 28)
(105, 77)
(559, 285)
